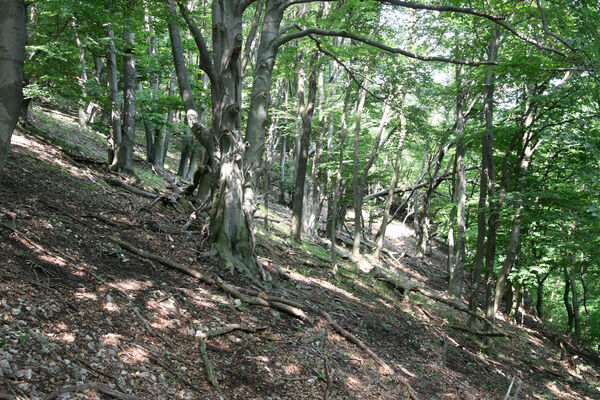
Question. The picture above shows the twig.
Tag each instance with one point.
(102, 388)
(210, 374)
(512, 382)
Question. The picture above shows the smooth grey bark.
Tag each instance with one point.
(161, 134)
(394, 182)
(149, 129)
(456, 280)
(12, 55)
(282, 170)
(260, 98)
(306, 110)
(82, 80)
(248, 45)
(488, 165)
(113, 87)
(123, 160)
(337, 190)
(356, 190)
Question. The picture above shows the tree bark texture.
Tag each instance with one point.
(123, 160)
(356, 189)
(307, 107)
(12, 56)
(488, 165)
(113, 87)
(456, 281)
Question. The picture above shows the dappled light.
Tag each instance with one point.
(298, 200)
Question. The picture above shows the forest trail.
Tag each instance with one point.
(79, 310)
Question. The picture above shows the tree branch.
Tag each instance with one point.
(373, 43)
(496, 19)
(205, 58)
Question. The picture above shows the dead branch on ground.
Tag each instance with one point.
(102, 388)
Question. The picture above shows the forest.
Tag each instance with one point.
(289, 199)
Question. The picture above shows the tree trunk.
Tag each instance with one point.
(488, 145)
(575, 297)
(306, 113)
(12, 56)
(259, 100)
(394, 182)
(337, 189)
(161, 138)
(456, 280)
(82, 80)
(113, 87)
(282, 170)
(123, 160)
(568, 305)
(356, 189)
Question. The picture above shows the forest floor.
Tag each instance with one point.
(81, 317)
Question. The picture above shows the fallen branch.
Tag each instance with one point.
(108, 221)
(488, 334)
(210, 373)
(122, 184)
(353, 339)
(102, 388)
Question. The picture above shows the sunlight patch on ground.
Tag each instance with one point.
(130, 285)
(134, 355)
(111, 339)
(111, 307)
(83, 294)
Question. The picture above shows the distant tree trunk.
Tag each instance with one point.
(314, 212)
(568, 304)
(394, 182)
(12, 56)
(423, 239)
(161, 138)
(456, 281)
(82, 80)
(575, 297)
(306, 113)
(539, 304)
(123, 160)
(356, 190)
(282, 170)
(337, 189)
(113, 86)
(488, 145)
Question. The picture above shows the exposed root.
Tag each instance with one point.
(273, 302)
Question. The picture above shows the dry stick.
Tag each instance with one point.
(157, 360)
(134, 308)
(210, 373)
(509, 389)
(95, 386)
(363, 347)
(108, 221)
(489, 334)
(130, 188)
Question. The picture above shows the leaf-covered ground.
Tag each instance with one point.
(76, 309)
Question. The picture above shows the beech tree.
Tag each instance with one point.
(12, 56)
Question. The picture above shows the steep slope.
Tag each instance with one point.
(86, 316)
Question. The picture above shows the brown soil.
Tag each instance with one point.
(74, 308)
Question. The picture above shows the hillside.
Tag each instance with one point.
(84, 317)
